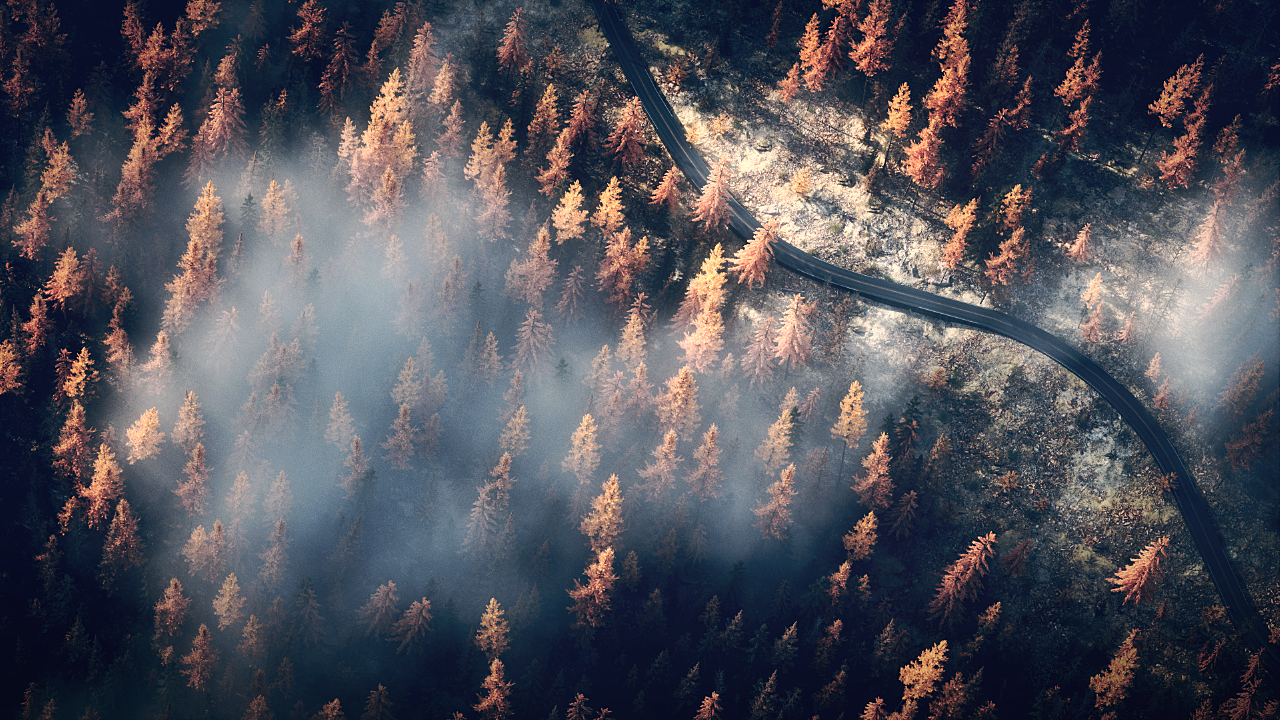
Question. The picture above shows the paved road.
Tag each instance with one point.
(1195, 512)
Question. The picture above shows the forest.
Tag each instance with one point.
(375, 360)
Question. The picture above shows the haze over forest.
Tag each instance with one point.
(373, 360)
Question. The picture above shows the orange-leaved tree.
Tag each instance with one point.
(512, 56)
(567, 217)
(962, 580)
(1111, 685)
(678, 405)
(712, 208)
(961, 219)
(380, 612)
(1137, 579)
(794, 343)
(921, 675)
(626, 142)
(584, 451)
(603, 524)
(776, 448)
(875, 487)
(704, 481)
(861, 540)
(775, 515)
(659, 476)
(591, 602)
(751, 263)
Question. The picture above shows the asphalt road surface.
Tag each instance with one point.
(1195, 511)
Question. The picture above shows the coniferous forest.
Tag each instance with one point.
(375, 360)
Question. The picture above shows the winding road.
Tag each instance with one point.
(1195, 511)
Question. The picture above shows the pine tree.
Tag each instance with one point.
(757, 362)
(411, 629)
(852, 422)
(1209, 244)
(1242, 387)
(608, 216)
(340, 430)
(106, 486)
(221, 134)
(123, 547)
(921, 675)
(1111, 685)
(793, 346)
(200, 660)
(1002, 267)
(775, 515)
(357, 466)
(194, 491)
(790, 85)
(152, 142)
(584, 453)
(228, 605)
(751, 263)
(67, 281)
(252, 645)
(567, 218)
(702, 346)
(275, 558)
(515, 437)
(875, 487)
(776, 448)
(710, 707)
(190, 428)
(904, 513)
(512, 56)
(871, 54)
(71, 453)
(961, 220)
(199, 282)
(171, 610)
(627, 139)
(660, 476)
(545, 123)
(1079, 250)
(491, 638)
(678, 406)
(401, 444)
(962, 580)
(631, 349)
(533, 343)
(558, 159)
(1248, 447)
(704, 480)
(603, 524)
(898, 118)
(450, 141)
(1137, 579)
(591, 602)
(811, 55)
(330, 711)
(582, 119)
(668, 191)
(378, 706)
(1177, 90)
(923, 162)
(712, 208)
(1177, 169)
(496, 705)
(861, 540)
(380, 612)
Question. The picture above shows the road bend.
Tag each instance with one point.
(1191, 503)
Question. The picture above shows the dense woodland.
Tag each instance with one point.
(377, 362)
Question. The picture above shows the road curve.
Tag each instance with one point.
(1195, 511)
